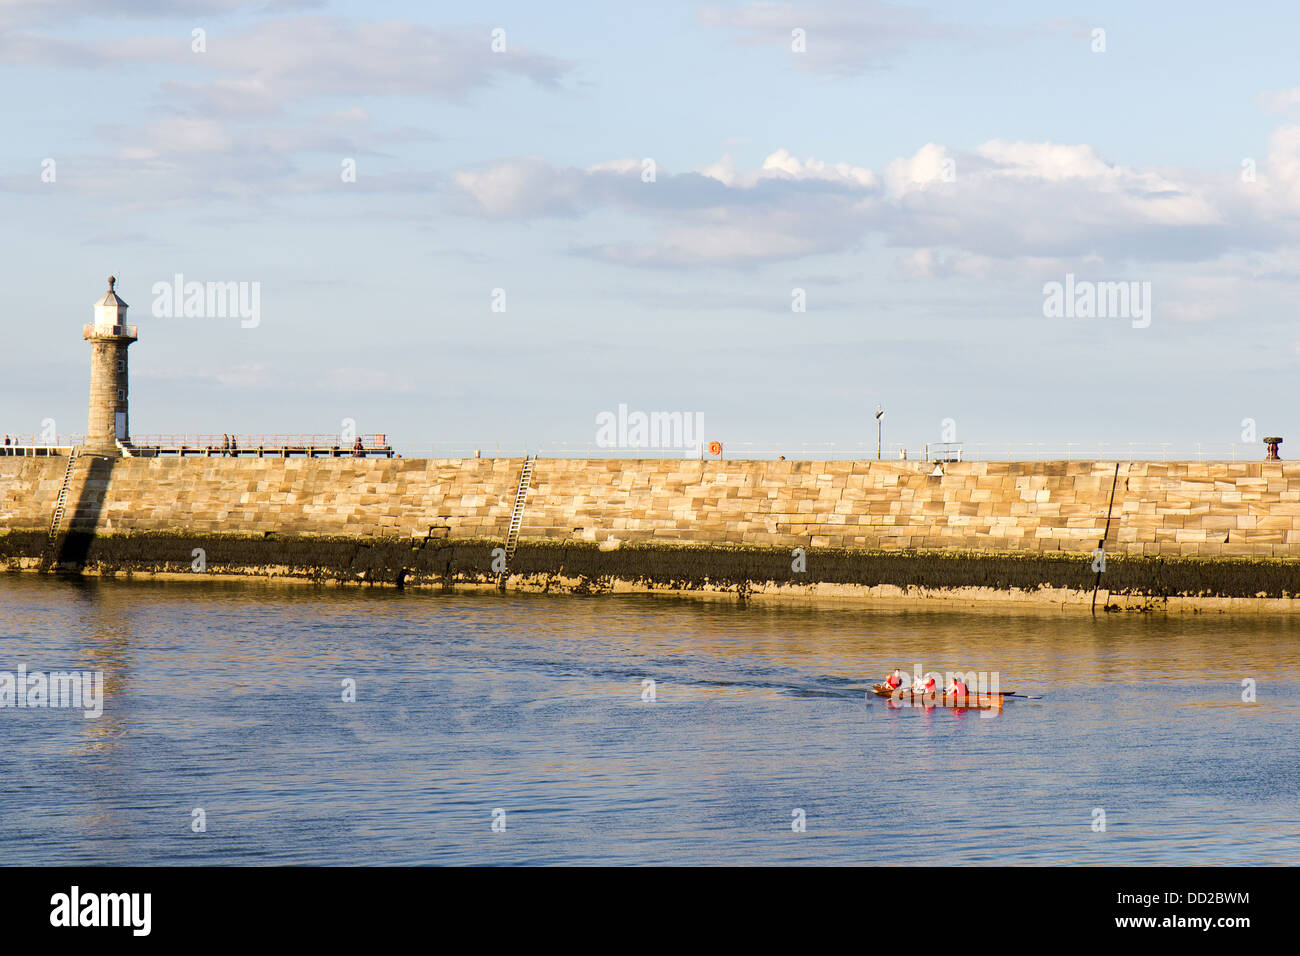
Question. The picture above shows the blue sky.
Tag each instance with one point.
(774, 170)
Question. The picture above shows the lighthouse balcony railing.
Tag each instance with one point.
(116, 331)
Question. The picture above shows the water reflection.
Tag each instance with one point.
(104, 629)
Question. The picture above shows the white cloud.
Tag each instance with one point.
(785, 209)
(962, 211)
(273, 63)
(230, 123)
(184, 134)
(928, 165)
(929, 263)
(1280, 101)
(726, 240)
(782, 165)
(622, 167)
(999, 200)
(277, 62)
(842, 36)
(523, 188)
(29, 13)
(1279, 177)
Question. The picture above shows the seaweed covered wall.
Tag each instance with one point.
(1059, 578)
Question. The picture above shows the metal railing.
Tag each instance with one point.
(208, 440)
(235, 445)
(806, 450)
(943, 451)
(38, 445)
(327, 445)
(867, 451)
(469, 449)
(117, 331)
(377, 443)
(1096, 451)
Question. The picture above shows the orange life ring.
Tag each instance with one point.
(715, 448)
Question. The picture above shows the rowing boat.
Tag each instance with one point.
(905, 696)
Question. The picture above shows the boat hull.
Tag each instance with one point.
(911, 698)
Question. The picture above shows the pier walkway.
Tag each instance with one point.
(218, 446)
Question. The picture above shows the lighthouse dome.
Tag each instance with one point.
(110, 310)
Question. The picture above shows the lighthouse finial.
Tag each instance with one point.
(111, 280)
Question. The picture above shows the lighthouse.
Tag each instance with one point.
(109, 337)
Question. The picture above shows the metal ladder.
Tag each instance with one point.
(517, 513)
(60, 504)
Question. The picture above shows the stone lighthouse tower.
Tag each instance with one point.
(109, 338)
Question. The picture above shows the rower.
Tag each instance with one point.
(959, 688)
(895, 680)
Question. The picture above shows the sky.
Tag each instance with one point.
(486, 225)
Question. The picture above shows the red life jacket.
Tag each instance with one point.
(959, 688)
(894, 681)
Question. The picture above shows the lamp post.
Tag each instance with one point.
(880, 414)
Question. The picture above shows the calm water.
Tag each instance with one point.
(229, 698)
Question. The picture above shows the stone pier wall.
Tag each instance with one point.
(1181, 511)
